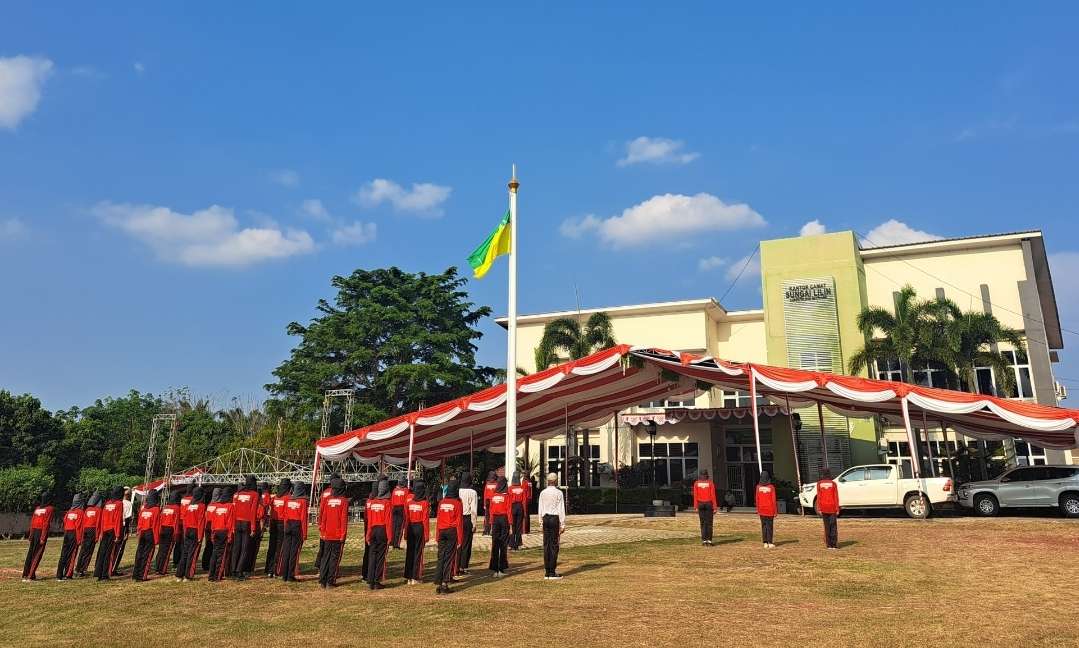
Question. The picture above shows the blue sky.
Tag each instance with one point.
(178, 183)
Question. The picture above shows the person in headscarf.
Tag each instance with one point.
(518, 510)
(827, 505)
(222, 526)
(178, 546)
(90, 530)
(468, 519)
(766, 508)
(277, 527)
(127, 499)
(377, 529)
(327, 491)
(38, 535)
(332, 531)
(168, 535)
(211, 506)
(489, 488)
(449, 531)
(109, 528)
(245, 510)
(704, 500)
(73, 522)
(295, 532)
(261, 521)
(147, 532)
(500, 529)
(417, 532)
(399, 499)
(194, 516)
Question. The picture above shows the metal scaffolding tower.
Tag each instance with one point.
(349, 395)
(151, 449)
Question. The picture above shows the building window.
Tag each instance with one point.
(739, 399)
(673, 462)
(931, 375)
(556, 458)
(890, 369)
(661, 404)
(816, 361)
(986, 380)
(1028, 455)
(1020, 367)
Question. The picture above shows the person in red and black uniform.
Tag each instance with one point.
(295, 532)
(245, 511)
(148, 532)
(378, 526)
(194, 517)
(207, 533)
(518, 510)
(704, 500)
(417, 532)
(89, 533)
(168, 532)
(178, 544)
(766, 508)
(262, 519)
(828, 507)
(332, 530)
(529, 490)
(399, 498)
(326, 492)
(73, 521)
(500, 528)
(277, 527)
(222, 525)
(489, 488)
(110, 525)
(450, 532)
(38, 535)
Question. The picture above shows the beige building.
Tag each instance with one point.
(813, 288)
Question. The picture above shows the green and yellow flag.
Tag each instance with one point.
(496, 245)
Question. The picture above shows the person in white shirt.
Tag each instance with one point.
(469, 501)
(552, 514)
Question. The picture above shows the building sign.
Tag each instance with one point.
(808, 292)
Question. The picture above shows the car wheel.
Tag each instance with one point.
(1069, 505)
(986, 505)
(916, 506)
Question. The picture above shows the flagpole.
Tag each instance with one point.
(511, 340)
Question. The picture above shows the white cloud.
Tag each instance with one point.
(12, 229)
(285, 178)
(656, 150)
(894, 232)
(711, 263)
(21, 80)
(812, 228)
(752, 267)
(421, 198)
(667, 218)
(313, 208)
(357, 233)
(208, 237)
(140, 69)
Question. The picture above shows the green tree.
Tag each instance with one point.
(401, 340)
(28, 432)
(20, 487)
(968, 340)
(567, 337)
(91, 479)
(905, 335)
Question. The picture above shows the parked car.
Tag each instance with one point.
(1026, 486)
(882, 486)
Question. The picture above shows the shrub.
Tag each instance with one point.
(91, 479)
(20, 487)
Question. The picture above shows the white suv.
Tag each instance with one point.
(1026, 486)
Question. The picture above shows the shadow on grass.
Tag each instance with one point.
(725, 540)
(485, 578)
(786, 542)
(847, 543)
(586, 567)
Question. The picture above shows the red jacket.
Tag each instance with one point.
(264, 505)
(519, 495)
(704, 492)
(194, 517)
(419, 512)
(296, 511)
(277, 508)
(500, 505)
(210, 508)
(112, 517)
(489, 490)
(184, 501)
(93, 516)
(766, 500)
(400, 496)
(245, 506)
(222, 519)
(450, 516)
(333, 518)
(73, 521)
(170, 518)
(827, 497)
(148, 521)
(377, 513)
(41, 519)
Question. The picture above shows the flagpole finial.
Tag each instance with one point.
(513, 180)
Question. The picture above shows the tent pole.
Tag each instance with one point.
(929, 447)
(411, 440)
(615, 462)
(471, 453)
(565, 449)
(916, 468)
(314, 477)
(947, 446)
(756, 425)
(794, 450)
(823, 443)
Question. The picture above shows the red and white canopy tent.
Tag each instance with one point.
(179, 479)
(588, 392)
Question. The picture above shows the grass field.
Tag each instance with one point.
(895, 582)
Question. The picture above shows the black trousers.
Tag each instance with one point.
(38, 538)
(166, 548)
(189, 556)
(273, 549)
(366, 558)
(208, 550)
(219, 541)
(447, 556)
(552, 530)
(464, 552)
(253, 549)
(331, 562)
(414, 551)
(376, 562)
(290, 558)
(767, 528)
(704, 511)
(486, 518)
(177, 549)
(121, 544)
(106, 551)
(144, 555)
(86, 551)
(241, 546)
(518, 512)
(69, 551)
(397, 520)
(831, 529)
(500, 536)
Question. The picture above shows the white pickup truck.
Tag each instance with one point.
(881, 486)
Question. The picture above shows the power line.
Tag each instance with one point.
(745, 265)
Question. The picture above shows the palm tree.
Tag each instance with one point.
(907, 334)
(969, 340)
(567, 336)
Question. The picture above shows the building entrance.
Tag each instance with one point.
(740, 457)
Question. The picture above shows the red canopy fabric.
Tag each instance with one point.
(186, 477)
